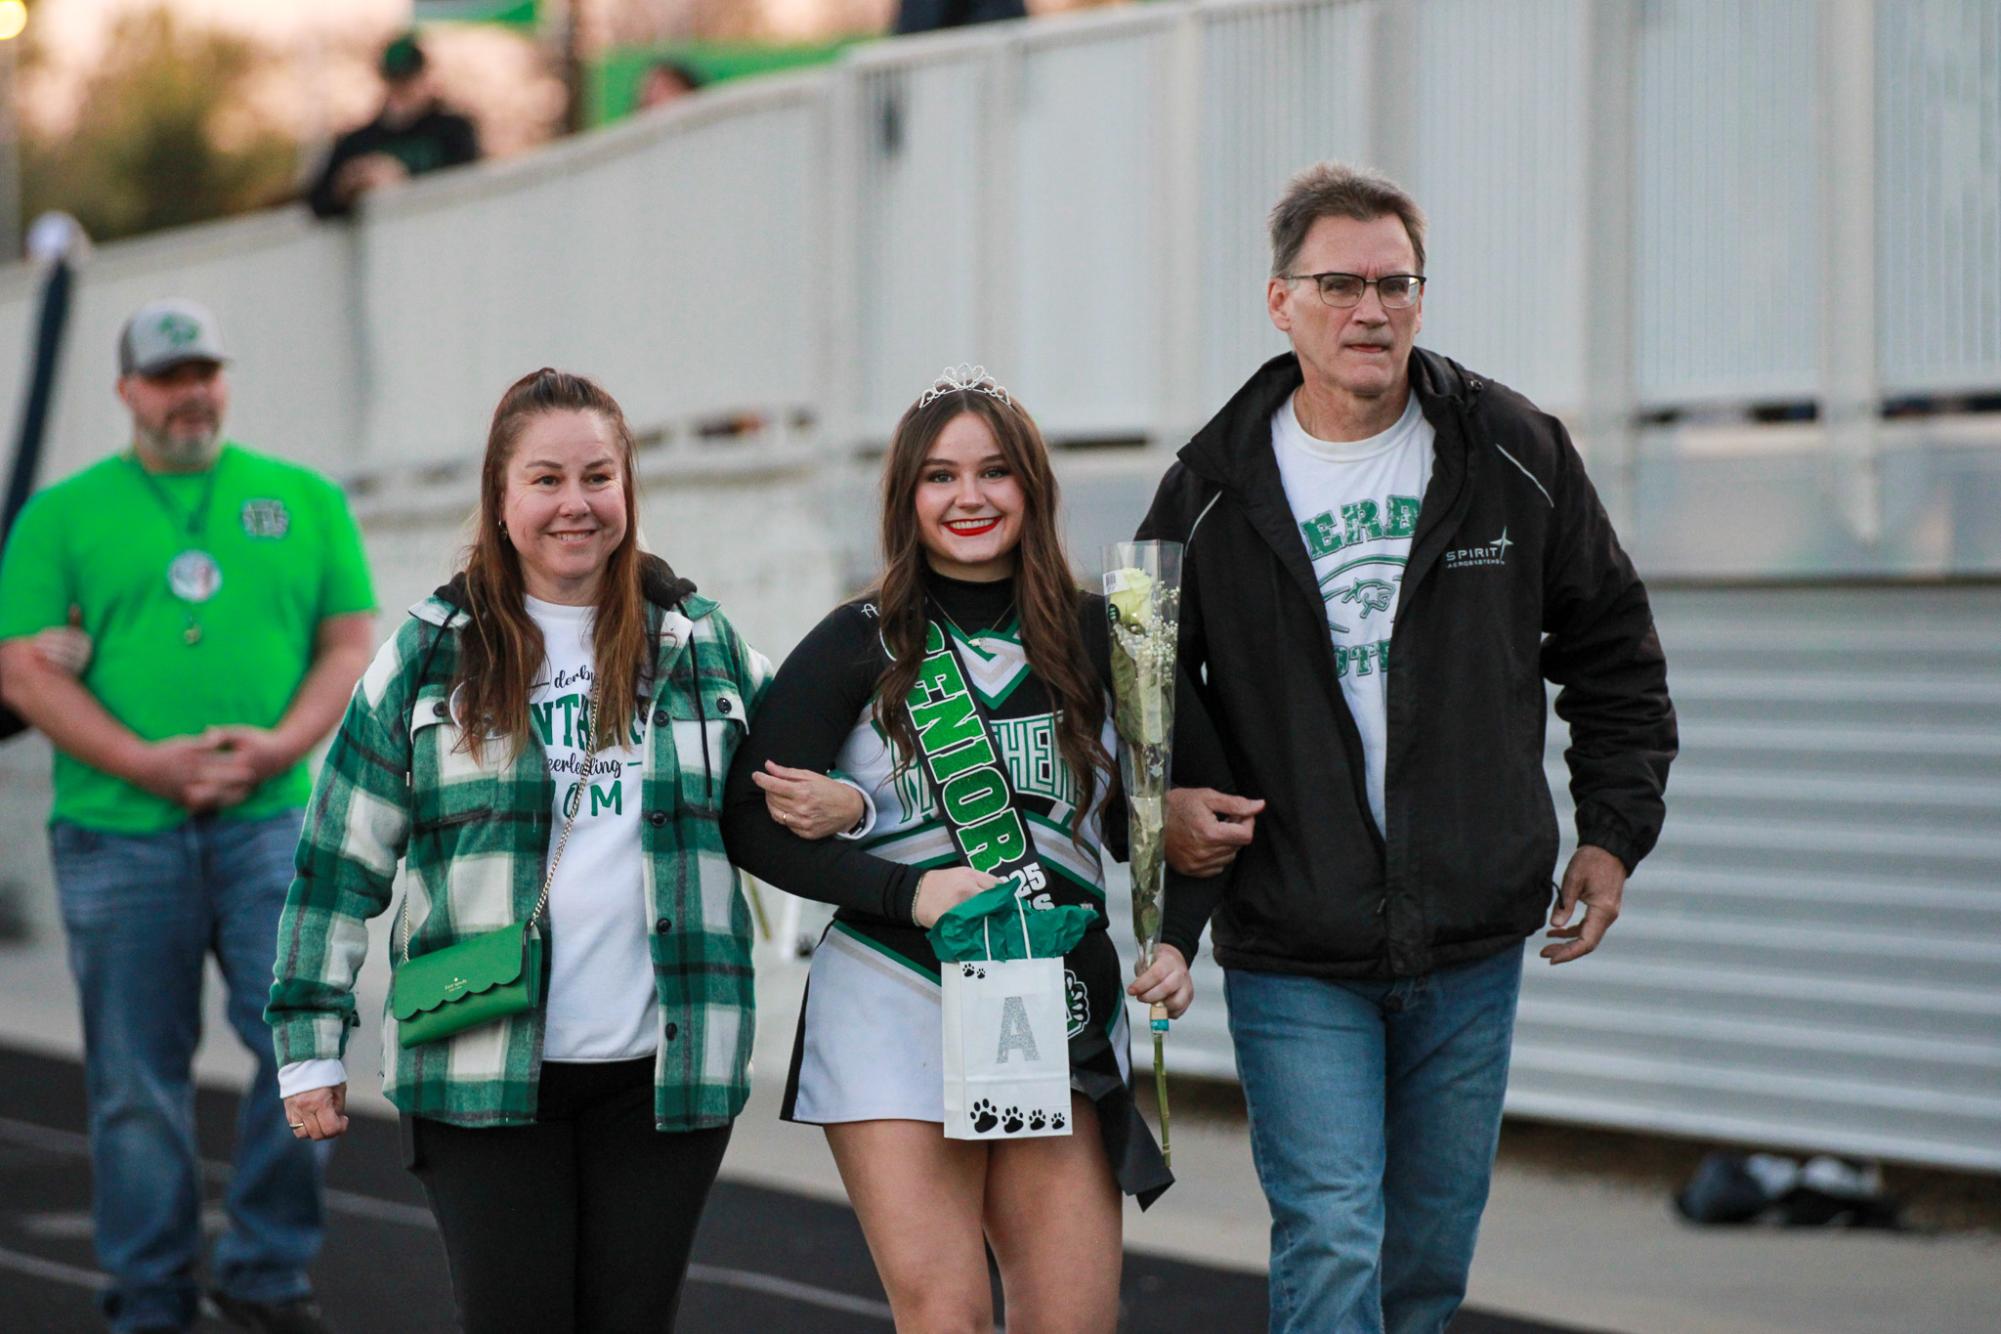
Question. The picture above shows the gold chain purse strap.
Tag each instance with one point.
(570, 810)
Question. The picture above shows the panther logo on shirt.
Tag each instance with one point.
(1372, 594)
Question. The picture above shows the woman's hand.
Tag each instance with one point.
(64, 647)
(940, 891)
(1166, 983)
(808, 804)
(318, 1113)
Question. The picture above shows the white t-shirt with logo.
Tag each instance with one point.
(601, 999)
(1356, 503)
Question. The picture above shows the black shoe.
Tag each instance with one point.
(301, 1315)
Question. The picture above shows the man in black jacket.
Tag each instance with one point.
(412, 134)
(930, 15)
(1387, 555)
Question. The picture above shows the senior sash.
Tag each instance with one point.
(1005, 1058)
(968, 775)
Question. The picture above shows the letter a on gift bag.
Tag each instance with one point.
(1007, 1047)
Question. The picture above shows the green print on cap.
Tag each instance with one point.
(178, 330)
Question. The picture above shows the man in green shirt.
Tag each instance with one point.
(230, 607)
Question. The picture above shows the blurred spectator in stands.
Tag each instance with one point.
(930, 15)
(413, 134)
(666, 81)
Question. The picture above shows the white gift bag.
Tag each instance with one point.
(1007, 1047)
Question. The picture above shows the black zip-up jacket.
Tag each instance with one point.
(1514, 576)
(438, 138)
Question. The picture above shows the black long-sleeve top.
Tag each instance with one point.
(824, 692)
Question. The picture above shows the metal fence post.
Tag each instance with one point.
(1849, 376)
(840, 313)
(997, 314)
(1393, 74)
(1608, 306)
(1180, 199)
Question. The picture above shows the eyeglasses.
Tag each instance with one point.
(1397, 291)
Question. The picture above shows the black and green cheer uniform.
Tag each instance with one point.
(869, 1034)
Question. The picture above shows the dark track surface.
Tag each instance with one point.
(765, 1261)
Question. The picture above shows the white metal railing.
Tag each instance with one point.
(1729, 156)
(1938, 195)
(1081, 202)
(681, 263)
(284, 289)
(1281, 86)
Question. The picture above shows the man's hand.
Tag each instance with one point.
(195, 772)
(1598, 879)
(810, 805)
(1205, 828)
(318, 1113)
(370, 171)
(1166, 983)
(259, 747)
(65, 647)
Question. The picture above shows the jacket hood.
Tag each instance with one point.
(661, 586)
(1216, 451)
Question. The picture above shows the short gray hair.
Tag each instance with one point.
(1335, 190)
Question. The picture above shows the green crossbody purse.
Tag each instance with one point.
(491, 976)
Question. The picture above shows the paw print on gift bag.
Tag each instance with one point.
(1037, 1119)
(1012, 1121)
(985, 1118)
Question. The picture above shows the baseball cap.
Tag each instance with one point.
(163, 334)
(402, 57)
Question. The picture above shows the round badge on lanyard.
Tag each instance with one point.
(195, 578)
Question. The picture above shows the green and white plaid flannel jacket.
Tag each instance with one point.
(474, 840)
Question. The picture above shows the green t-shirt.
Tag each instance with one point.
(195, 619)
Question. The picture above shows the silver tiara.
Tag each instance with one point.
(964, 379)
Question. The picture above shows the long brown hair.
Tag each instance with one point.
(1045, 590)
(501, 652)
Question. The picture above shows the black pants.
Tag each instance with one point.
(580, 1222)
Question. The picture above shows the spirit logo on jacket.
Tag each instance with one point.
(1494, 553)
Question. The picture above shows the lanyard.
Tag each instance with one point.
(196, 520)
(193, 575)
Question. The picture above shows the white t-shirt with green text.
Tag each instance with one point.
(601, 999)
(1356, 503)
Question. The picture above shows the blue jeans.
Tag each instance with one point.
(1375, 1110)
(142, 913)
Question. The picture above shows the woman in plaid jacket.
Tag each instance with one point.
(559, 718)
